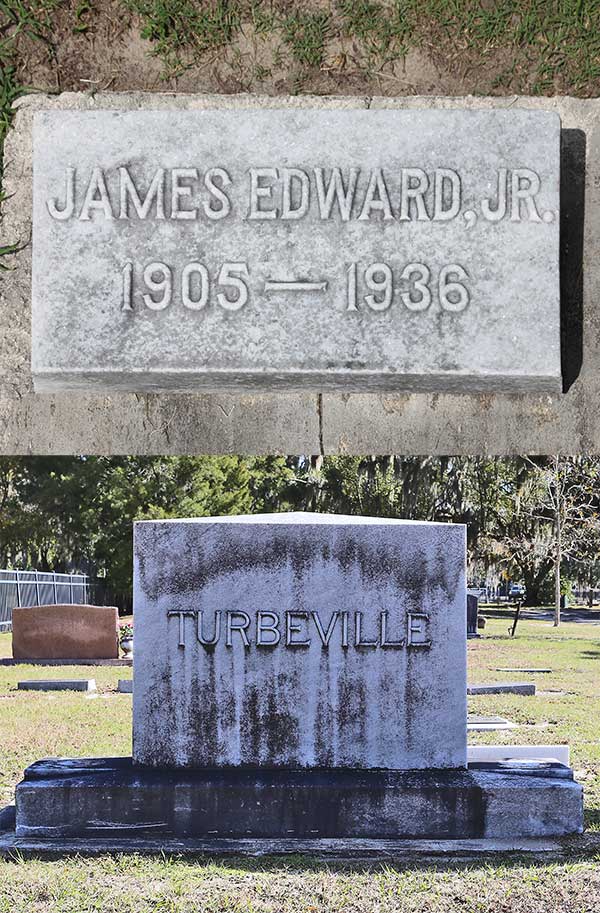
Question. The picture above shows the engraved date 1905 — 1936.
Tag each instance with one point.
(157, 285)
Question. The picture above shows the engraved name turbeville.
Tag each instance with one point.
(299, 640)
(276, 249)
(273, 628)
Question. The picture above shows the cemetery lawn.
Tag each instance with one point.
(34, 725)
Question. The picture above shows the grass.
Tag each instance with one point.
(19, 19)
(556, 38)
(33, 725)
(137, 885)
(565, 708)
(549, 38)
(177, 25)
(306, 33)
(69, 723)
(31, 19)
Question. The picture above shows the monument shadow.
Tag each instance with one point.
(572, 219)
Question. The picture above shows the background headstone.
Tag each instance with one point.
(65, 632)
(472, 615)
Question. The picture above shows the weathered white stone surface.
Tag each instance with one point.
(414, 423)
(357, 660)
(296, 249)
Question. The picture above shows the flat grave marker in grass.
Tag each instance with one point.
(58, 684)
(488, 723)
(502, 688)
(305, 249)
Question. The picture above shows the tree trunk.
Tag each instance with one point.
(557, 570)
(533, 578)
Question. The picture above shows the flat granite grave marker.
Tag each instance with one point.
(57, 684)
(488, 723)
(502, 688)
(297, 676)
(285, 249)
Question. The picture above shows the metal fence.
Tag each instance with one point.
(19, 588)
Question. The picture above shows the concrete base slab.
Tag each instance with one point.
(91, 798)
(58, 684)
(332, 849)
(503, 688)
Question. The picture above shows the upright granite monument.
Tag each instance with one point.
(65, 632)
(298, 676)
(296, 249)
(299, 641)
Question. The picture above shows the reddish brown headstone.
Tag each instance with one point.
(65, 632)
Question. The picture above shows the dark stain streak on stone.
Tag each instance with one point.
(268, 731)
(280, 727)
(202, 716)
(280, 546)
(325, 720)
(250, 725)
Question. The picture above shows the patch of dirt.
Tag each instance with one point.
(112, 55)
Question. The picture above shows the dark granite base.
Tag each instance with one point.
(122, 661)
(101, 796)
(327, 849)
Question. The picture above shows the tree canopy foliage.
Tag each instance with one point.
(526, 517)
